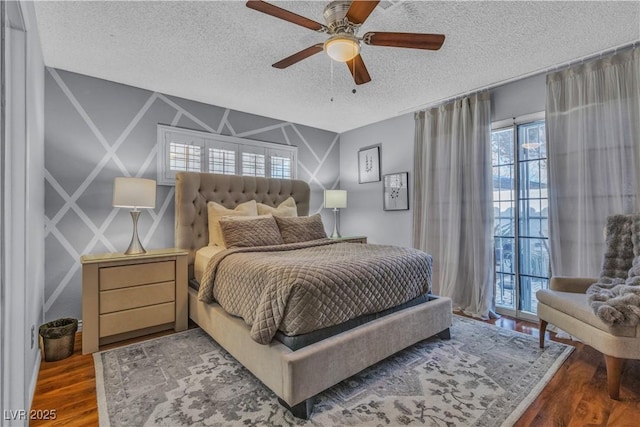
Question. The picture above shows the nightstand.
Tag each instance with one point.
(126, 296)
(351, 239)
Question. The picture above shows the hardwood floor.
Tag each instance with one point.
(575, 396)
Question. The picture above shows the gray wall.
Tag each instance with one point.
(519, 98)
(364, 215)
(96, 130)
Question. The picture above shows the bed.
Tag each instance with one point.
(295, 373)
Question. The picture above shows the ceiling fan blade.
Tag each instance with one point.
(278, 12)
(358, 70)
(360, 10)
(409, 40)
(299, 56)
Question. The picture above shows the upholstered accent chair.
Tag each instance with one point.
(565, 305)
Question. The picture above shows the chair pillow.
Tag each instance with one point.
(242, 232)
(216, 211)
(287, 208)
(301, 229)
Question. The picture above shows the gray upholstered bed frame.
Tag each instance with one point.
(294, 376)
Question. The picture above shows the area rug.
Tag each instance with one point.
(483, 376)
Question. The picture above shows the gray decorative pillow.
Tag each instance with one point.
(242, 232)
(301, 229)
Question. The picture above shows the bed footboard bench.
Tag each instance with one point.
(297, 376)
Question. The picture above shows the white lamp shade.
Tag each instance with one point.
(134, 193)
(335, 199)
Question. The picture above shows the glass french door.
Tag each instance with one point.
(521, 226)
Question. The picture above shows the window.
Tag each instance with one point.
(253, 164)
(221, 161)
(280, 167)
(183, 157)
(195, 151)
(520, 201)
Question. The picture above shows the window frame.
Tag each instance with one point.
(514, 123)
(206, 140)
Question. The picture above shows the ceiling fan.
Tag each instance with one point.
(344, 18)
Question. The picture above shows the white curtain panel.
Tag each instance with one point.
(453, 214)
(593, 134)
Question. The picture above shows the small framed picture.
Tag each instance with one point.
(396, 191)
(369, 164)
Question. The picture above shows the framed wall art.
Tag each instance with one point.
(395, 191)
(369, 164)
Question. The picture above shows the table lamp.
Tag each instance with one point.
(134, 193)
(335, 199)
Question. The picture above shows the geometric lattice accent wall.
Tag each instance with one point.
(96, 130)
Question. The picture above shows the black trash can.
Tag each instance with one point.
(58, 338)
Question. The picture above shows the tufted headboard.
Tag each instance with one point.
(194, 190)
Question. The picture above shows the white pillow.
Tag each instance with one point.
(285, 209)
(216, 211)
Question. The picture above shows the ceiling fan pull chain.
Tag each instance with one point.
(331, 62)
(354, 73)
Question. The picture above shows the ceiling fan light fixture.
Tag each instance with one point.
(342, 48)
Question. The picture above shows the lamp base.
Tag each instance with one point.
(135, 247)
(336, 229)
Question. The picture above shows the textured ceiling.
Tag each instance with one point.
(220, 52)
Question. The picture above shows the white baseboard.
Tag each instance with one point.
(34, 378)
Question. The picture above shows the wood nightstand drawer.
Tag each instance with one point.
(133, 275)
(138, 318)
(137, 296)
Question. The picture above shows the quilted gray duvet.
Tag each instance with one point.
(302, 287)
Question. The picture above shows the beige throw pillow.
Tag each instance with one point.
(287, 208)
(217, 211)
(241, 232)
(301, 229)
